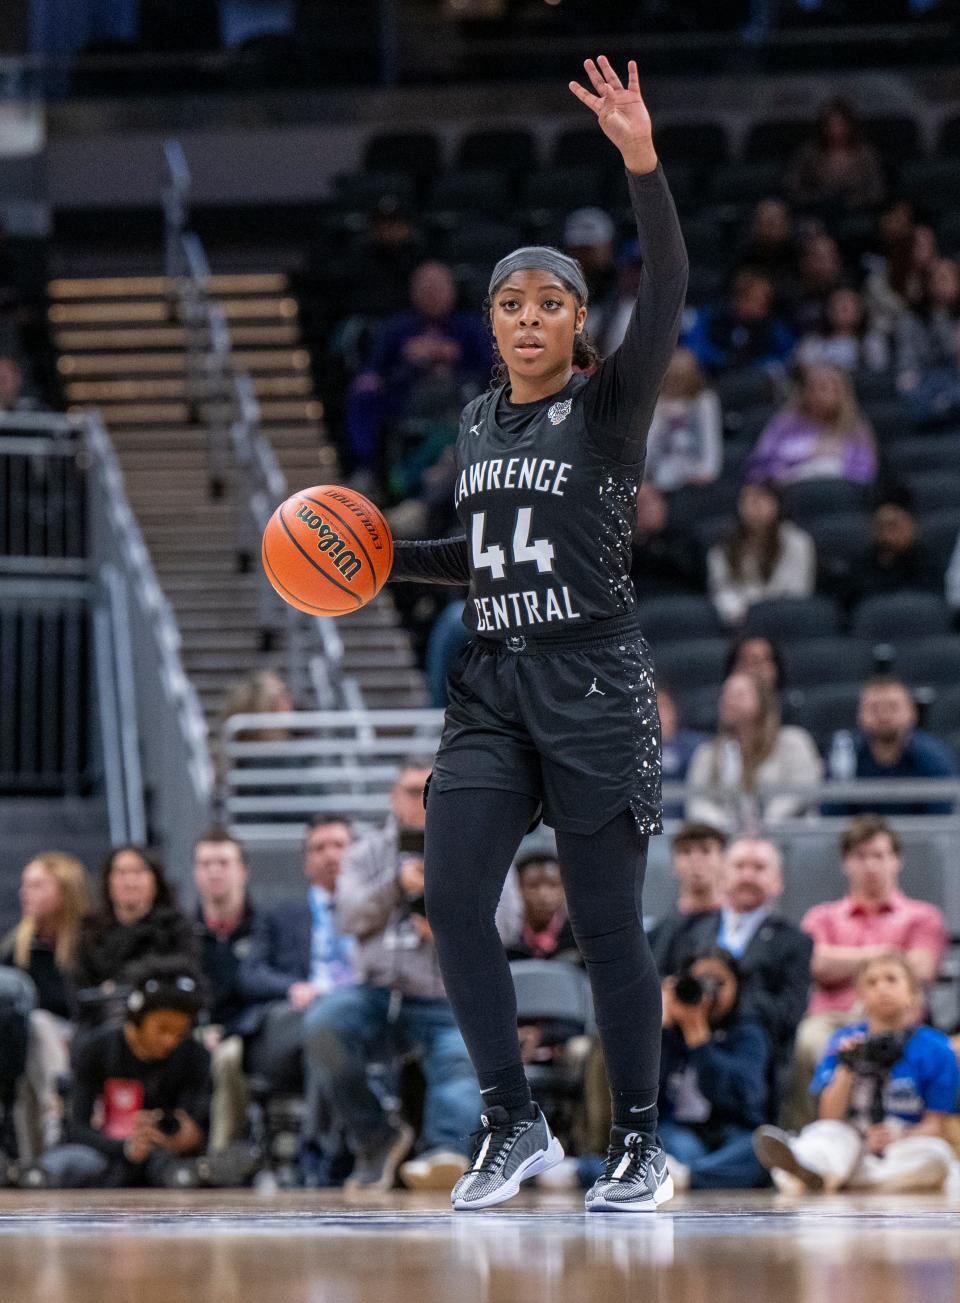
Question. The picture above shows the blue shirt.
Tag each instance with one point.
(924, 756)
(330, 951)
(926, 1079)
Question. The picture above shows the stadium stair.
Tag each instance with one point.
(122, 349)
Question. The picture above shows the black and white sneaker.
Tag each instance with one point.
(504, 1154)
(635, 1178)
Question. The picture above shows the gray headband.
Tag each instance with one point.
(540, 256)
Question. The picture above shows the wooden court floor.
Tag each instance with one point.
(243, 1247)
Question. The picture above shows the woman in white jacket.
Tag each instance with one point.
(764, 556)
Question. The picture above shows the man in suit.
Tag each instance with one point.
(297, 955)
(773, 953)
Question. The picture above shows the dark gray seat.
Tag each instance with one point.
(944, 713)
(929, 662)
(786, 619)
(901, 617)
(935, 490)
(822, 710)
(675, 619)
(822, 660)
(693, 663)
(808, 499)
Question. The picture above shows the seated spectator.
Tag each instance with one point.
(896, 274)
(844, 338)
(545, 931)
(773, 953)
(137, 918)
(677, 745)
(760, 658)
(430, 347)
(820, 276)
(54, 898)
(374, 277)
(713, 1077)
(874, 917)
(889, 745)
(926, 338)
(696, 855)
(684, 445)
(224, 927)
(770, 245)
(819, 434)
(885, 1087)
(742, 333)
(838, 168)
(141, 1091)
(12, 395)
(398, 1005)
(588, 236)
(667, 559)
(17, 996)
(753, 750)
(896, 558)
(298, 954)
(764, 556)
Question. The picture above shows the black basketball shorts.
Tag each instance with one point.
(570, 720)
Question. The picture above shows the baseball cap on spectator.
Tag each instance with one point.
(587, 226)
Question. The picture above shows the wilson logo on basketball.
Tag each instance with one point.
(329, 541)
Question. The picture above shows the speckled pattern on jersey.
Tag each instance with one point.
(575, 727)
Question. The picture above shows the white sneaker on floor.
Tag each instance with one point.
(679, 1174)
(774, 1150)
(505, 1153)
(635, 1178)
(439, 1170)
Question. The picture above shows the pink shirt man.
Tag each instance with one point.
(896, 923)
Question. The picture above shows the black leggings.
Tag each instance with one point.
(471, 839)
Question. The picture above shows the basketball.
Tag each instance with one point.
(327, 550)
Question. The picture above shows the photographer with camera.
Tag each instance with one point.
(140, 1093)
(398, 1006)
(713, 1077)
(885, 1087)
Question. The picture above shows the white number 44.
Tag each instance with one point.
(492, 558)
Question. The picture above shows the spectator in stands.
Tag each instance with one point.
(298, 955)
(677, 744)
(889, 745)
(697, 858)
(896, 274)
(926, 338)
(820, 276)
(770, 245)
(224, 928)
(685, 443)
(773, 953)
(896, 558)
(380, 902)
(374, 278)
(752, 750)
(545, 931)
(588, 236)
(54, 898)
(838, 168)
(873, 918)
(885, 1087)
(428, 357)
(713, 1077)
(744, 333)
(667, 559)
(141, 1091)
(12, 395)
(764, 556)
(820, 434)
(760, 658)
(137, 918)
(262, 693)
(845, 338)
(17, 998)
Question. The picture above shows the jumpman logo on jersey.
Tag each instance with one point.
(594, 690)
(475, 429)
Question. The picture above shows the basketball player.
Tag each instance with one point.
(552, 704)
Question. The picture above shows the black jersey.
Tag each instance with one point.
(547, 518)
(545, 490)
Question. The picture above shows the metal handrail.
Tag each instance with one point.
(233, 417)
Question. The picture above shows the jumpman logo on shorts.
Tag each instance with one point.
(594, 689)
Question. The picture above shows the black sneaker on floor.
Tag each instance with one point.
(375, 1166)
(635, 1177)
(504, 1154)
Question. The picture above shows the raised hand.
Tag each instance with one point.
(621, 112)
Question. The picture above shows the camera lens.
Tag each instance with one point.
(689, 989)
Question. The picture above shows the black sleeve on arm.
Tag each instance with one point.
(432, 561)
(89, 1072)
(620, 397)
